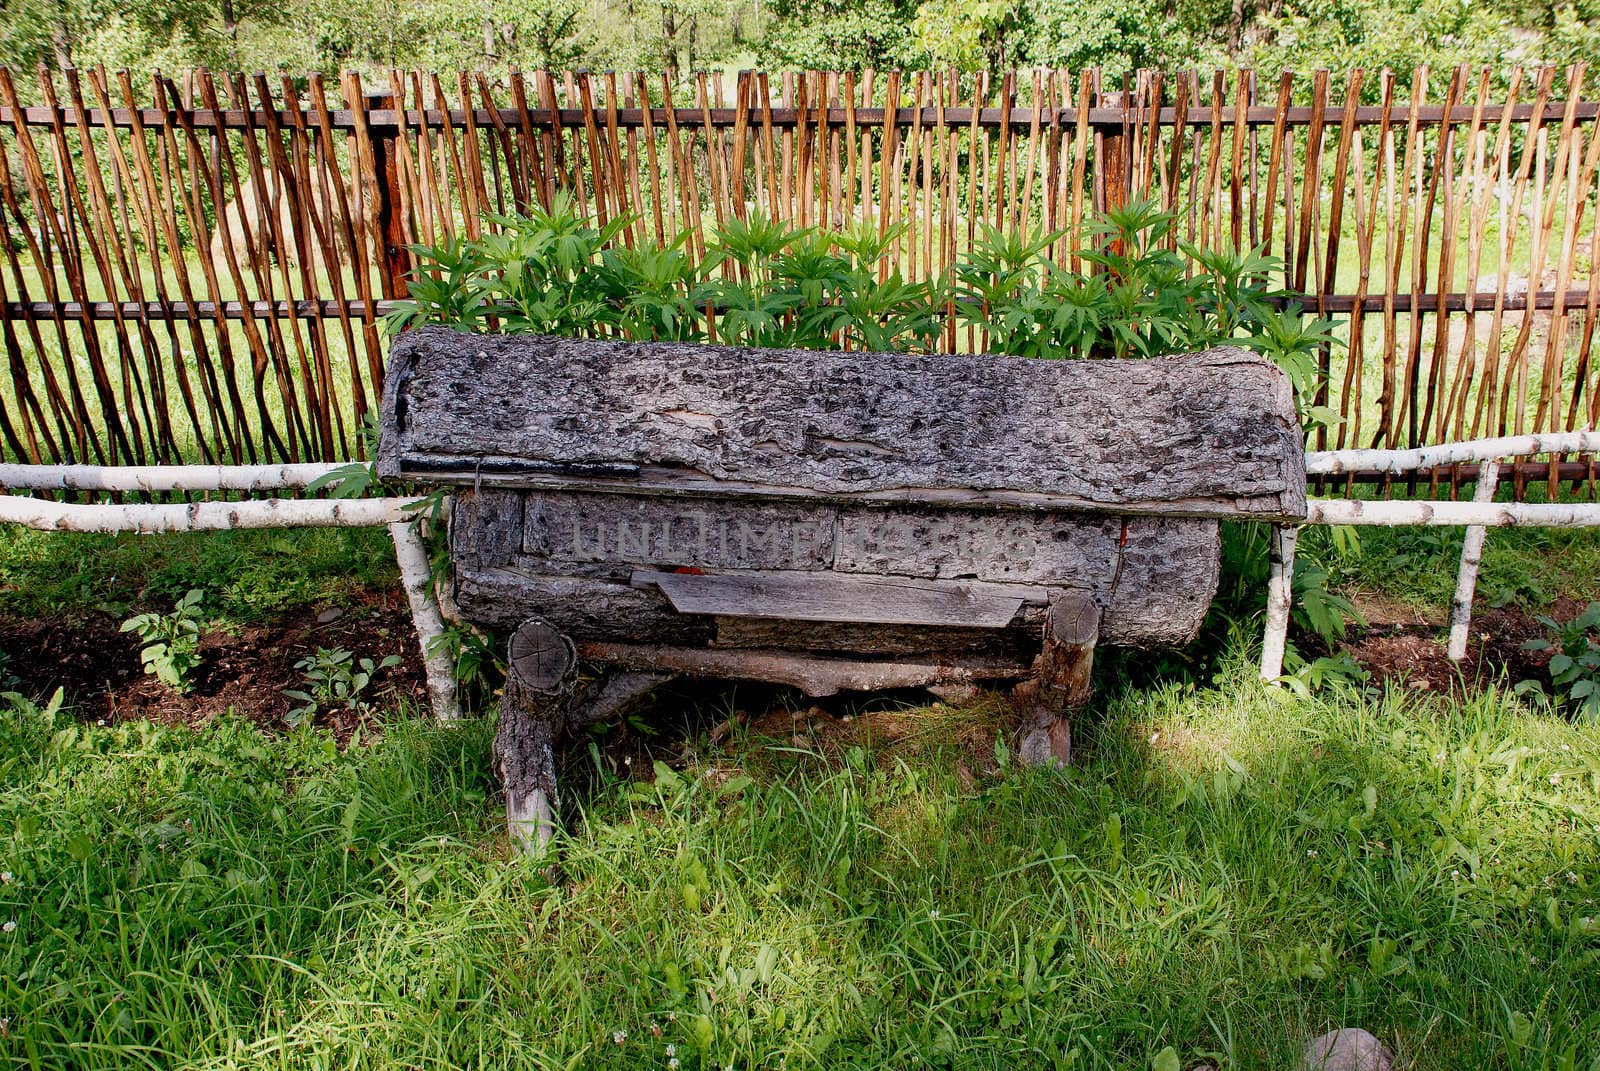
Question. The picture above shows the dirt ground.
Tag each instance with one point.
(1401, 649)
(247, 670)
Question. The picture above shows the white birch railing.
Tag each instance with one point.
(399, 515)
(1477, 516)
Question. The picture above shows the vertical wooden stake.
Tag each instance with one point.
(1280, 593)
(393, 268)
(1471, 555)
(541, 679)
(1111, 168)
(1061, 681)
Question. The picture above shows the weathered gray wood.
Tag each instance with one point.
(1211, 434)
(1165, 582)
(485, 528)
(545, 701)
(540, 658)
(1060, 681)
(640, 530)
(1016, 642)
(581, 607)
(1153, 603)
(532, 716)
(1073, 621)
(815, 675)
(836, 597)
(1078, 550)
(1029, 547)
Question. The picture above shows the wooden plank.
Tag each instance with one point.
(830, 597)
(814, 675)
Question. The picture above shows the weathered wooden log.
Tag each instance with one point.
(545, 701)
(815, 675)
(1208, 434)
(1061, 681)
(1153, 576)
(834, 520)
(541, 681)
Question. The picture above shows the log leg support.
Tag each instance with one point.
(1061, 681)
(545, 701)
(1471, 556)
(1280, 595)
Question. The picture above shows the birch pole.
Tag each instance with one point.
(412, 555)
(153, 478)
(1337, 462)
(1453, 514)
(1471, 556)
(1280, 593)
(150, 518)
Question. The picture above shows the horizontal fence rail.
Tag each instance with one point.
(195, 268)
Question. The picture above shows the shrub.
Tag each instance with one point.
(172, 641)
(764, 282)
(1575, 663)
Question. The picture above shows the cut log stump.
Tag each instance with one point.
(1061, 682)
(545, 700)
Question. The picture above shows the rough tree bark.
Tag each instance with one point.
(1206, 434)
(1061, 682)
(546, 700)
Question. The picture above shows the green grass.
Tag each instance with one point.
(248, 575)
(1228, 872)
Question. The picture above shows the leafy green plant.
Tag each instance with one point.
(1575, 665)
(536, 275)
(1318, 609)
(1306, 676)
(334, 678)
(1150, 293)
(172, 641)
(764, 282)
(479, 670)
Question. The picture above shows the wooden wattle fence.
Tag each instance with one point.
(195, 267)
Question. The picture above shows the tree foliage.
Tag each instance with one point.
(678, 36)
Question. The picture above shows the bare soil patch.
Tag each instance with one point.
(245, 671)
(1411, 654)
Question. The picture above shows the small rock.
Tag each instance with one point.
(1346, 1049)
(330, 615)
(955, 694)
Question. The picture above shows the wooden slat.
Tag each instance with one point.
(825, 597)
(387, 120)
